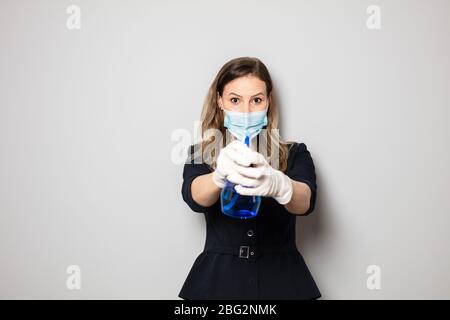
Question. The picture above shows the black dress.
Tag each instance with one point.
(253, 258)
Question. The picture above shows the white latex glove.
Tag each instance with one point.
(231, 159)
(265, 180)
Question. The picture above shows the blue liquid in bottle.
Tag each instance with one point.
(236, 205)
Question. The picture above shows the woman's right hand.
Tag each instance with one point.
(230, 163)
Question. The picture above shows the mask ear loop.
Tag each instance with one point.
(265, 126)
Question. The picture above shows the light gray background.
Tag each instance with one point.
(86, 118)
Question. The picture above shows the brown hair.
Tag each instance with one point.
(212, 117)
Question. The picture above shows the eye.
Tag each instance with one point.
(232, 100)
(257, 99)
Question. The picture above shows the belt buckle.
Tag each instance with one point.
(241, 250)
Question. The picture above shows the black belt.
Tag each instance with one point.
(250, 251)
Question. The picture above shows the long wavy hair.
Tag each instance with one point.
(212, 116)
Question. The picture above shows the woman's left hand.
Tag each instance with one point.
(267, 181)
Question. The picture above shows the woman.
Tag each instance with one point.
(253, 258)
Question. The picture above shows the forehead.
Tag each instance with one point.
(245, 86)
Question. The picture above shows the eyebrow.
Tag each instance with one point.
(241, 96)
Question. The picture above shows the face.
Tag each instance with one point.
(244, 94)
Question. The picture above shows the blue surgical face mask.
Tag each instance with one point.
(241, 124)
